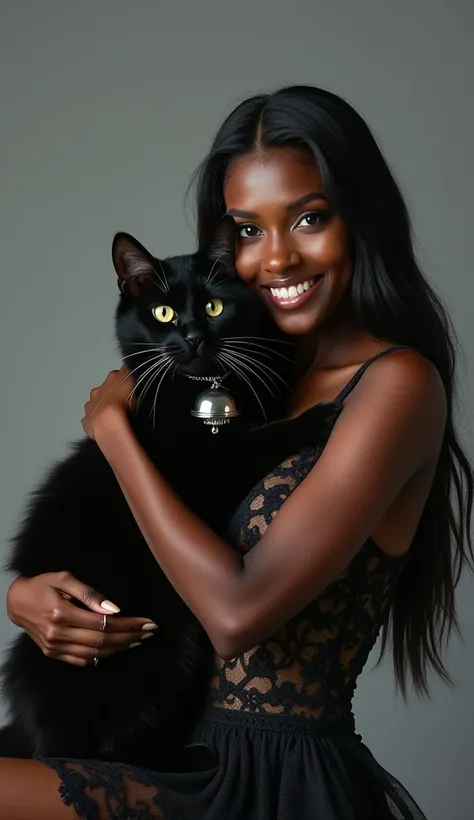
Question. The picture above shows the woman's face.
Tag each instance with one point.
(290, 246)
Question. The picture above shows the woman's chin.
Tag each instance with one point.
(298, 322)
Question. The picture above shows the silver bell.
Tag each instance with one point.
(215, 406)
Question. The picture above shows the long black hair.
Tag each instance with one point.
(391, 300)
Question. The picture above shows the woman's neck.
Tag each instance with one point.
(337, 344)
(331, 345)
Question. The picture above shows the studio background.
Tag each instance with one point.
(106, 110)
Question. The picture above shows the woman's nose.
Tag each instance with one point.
(279, 257)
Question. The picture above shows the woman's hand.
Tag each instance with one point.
(114, 395)
(43, 607)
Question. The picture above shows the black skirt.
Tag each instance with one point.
(269, 768)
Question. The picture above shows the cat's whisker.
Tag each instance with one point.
(147, 362)
(216, 284)
(208, 281)
(254, 354)
(263, 367)
(146, 344)
(167, 287)
(120, 381)
(218, 363)
(251, 363)
(260, 351)
(251, 345)
(216, 262)
(260, 339)
(150, 375)
(158, 388)
(249, 369)
(143, 375)
(160, 276)
(260, 365)
(263, 377)
(155, 363)
(236, 369)
(155, 373)
(143, 352)
(159, 282)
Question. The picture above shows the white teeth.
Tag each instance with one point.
(293, 291)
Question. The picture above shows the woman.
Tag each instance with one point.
(368, 535)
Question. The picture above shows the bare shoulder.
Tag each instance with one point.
(401, 391)
(406, 376)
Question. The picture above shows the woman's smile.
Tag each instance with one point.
(292, 293)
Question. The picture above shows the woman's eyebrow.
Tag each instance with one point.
(297, 203)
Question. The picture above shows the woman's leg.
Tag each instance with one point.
(61, 789)
(29, 791)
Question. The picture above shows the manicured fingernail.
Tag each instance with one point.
(133, 645)
(110, 607)
(147, 635)
(149, 627)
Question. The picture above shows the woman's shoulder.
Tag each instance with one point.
(400, 391)
(404, 372)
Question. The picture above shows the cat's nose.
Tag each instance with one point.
(194, 339)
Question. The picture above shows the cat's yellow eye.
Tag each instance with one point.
(214, 308)
(163, 313)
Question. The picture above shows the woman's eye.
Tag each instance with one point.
(164, 313)
(311, 219)
(214, 308)
(248, 231)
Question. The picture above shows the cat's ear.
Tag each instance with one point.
(222, 246)
(132, 262)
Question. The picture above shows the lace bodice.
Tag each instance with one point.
(310, 667)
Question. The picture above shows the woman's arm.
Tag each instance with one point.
(391, 428)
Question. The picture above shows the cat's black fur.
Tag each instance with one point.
(136, 706)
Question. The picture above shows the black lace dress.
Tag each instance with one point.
(279, 716)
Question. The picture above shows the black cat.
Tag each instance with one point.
(187, 316)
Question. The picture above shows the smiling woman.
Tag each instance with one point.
(364, 529)
(298, 256)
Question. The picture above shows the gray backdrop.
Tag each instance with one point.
(106, 109)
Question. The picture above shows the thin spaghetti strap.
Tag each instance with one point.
(352, 383)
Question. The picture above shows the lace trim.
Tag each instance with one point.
(111, 791)
(284, 724)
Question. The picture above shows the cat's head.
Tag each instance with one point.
(191, 315)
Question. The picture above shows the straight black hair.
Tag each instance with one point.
(392, 300)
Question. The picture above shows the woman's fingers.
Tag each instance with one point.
(44, 606)
(85, 653)
(71, 659)
(67, 585)
(66, 614)
(87, 638)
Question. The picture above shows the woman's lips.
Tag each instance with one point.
(292, 294)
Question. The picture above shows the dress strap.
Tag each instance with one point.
(357, 376)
